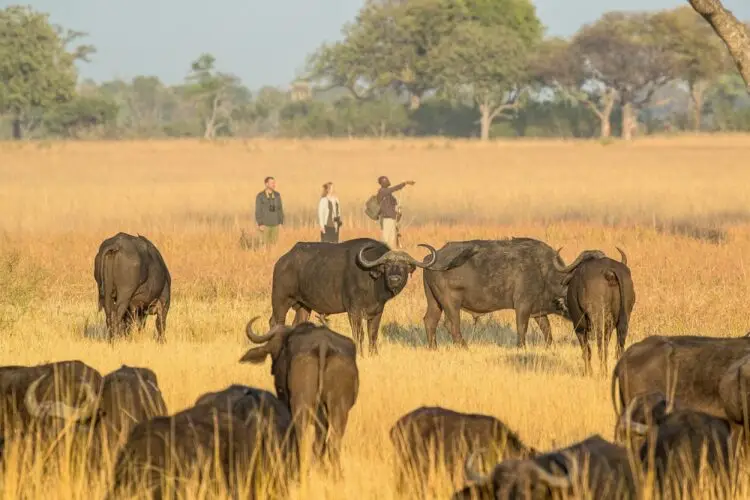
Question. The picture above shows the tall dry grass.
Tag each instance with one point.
(678, 207)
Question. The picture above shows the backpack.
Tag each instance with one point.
(372, 207)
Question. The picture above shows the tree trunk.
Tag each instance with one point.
(734, 34)
(17, 129)
(628, 121)
(415, 100)
(604, 114)
(485, 121)
(697, 91)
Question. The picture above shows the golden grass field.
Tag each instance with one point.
(679, 207)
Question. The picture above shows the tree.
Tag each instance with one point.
(487, 62)
(392, 43)
(735, 35)
(213, 94)
(624, 52)
(80, 114)
(560, 65)
(700, 56)
(36, 69)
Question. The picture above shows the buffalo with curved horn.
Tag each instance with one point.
(600, 297)
(356, 277)
(602, 467)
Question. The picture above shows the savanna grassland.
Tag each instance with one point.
(679, 207)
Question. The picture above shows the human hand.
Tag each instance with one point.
(261, 228)
(410, 183)
(322, 230)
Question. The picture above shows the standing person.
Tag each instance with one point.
(329, 214)
(269, 212)
(389, 209)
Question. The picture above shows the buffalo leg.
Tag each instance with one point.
(373, 328)
(546, 329)
(431, 320)
(355, 321)
(453, 315)
(522, 324)
(301, 315)
(121, 309)
(161, 320)
(583, 340)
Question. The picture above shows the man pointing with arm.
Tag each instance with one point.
(389, 210)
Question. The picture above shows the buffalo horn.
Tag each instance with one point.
(433, 254)
(627, 421)
(585, 255)
(258, 339)
(471, 474)
(552, 480)
(58, 408)
(369, 264)
(623, 257)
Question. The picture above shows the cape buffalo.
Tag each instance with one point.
(42, 400)
(481, 276)
(603, 467)
(129, 395)
(433, 436)
(600, 297)
(251, 403)
(688, 368)
(357, 277)
(203, 443)
(133, 282)
(676, 448)
(315, 374)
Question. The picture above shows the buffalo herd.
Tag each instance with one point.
(680, 402)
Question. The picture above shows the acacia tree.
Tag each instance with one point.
(625, 53)
(487, 63)
(700, 57)
(392, 44)
(212, 93)
(735, 35)
(559, 65)
(37, 71)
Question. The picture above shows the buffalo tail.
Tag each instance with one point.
(108, 276)
(622, 316)
(322, 355)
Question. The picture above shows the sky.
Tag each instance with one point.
(263, 42)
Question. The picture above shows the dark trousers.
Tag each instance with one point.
(330, 236)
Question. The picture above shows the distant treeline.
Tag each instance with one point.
(469, 68)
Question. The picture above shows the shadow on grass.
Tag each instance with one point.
(486, 331)
(541, 362)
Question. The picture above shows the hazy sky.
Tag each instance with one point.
(263, 42)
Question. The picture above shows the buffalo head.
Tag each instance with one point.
(641, 413)
(38, 408)
(513, 478)
(273, 341)
(395, 265)
(584, 256)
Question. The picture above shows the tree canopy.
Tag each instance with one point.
(459, 68)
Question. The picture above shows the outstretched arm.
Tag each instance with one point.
(398, 187)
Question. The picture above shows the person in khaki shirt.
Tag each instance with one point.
(269, 211)
(389, 210)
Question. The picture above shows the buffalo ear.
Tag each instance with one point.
(255, 356)
(377, 272)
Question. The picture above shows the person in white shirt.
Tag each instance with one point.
(329, 215)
